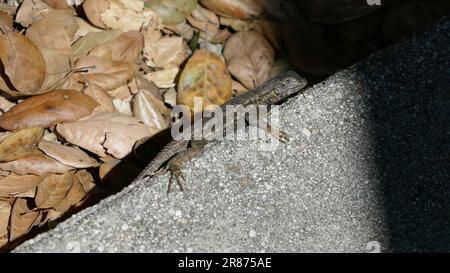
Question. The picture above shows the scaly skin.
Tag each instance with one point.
(178, 151)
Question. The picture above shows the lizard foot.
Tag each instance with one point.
(175, 174)
(282, 137)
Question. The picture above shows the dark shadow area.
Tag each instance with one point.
(410, 114)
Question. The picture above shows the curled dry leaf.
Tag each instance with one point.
(56, 25)
(151, 110)
(163, 78)
(126, 48)
(22, 218)
(6, 22)
(67, 155)
(205, 76)
(20, 143)
(205, 20)
(86, 43)
(85, 180)
(105, 73)
(172, 12)
(238, 9)
(48, 109)
(104, 100)
(5, 211)
(36, 163)
(14, 185)
(94, 9)
(53, 189)
(106, 167)
(123, 106)
(109, 133)
(238, 88)
(23, 64)
(250, 57)
(127, 15)
(165, 52)
(73, 198)
(31, 10)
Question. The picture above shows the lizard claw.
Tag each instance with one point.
(283, 137)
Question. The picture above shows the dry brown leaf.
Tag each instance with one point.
(122, 92)
(104, 100)
(22, 218)
(123, 106)
(37, 163)
(31, 10)
(6, 22)
(5, 104)
(84, 28)
(163, 78)
(48, 109)
(182, 29)
(238, 88)
(151, 110)
(23, 63)
(170, 97)
(86, 180)
(205, 20)
(239, 9)
(106, 167)
(56, 25)
(20, 143)
(93, 39)
(109, 133)
(172, 12)
(73, 198)
(105, 73)
(57, 4)
(249, 57)
(127, 15)
(126, 48)
(5, 211)
(67, 155)
(221, 36)
(94, 9)
(205, 76)
(165, 52)
(53, 189)
(14, 185)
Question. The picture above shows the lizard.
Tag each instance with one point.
(175, 152)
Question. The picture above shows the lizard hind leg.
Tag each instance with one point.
(174, 165)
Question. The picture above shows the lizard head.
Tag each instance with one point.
(281, 87)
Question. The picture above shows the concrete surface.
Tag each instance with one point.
(367, 160)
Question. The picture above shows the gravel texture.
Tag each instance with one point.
(368, 160)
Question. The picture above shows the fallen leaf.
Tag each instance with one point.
(166, 52)
(48, 109)
(53, 189)
(57, 4)
(182, 29)
(84, 28)
(6, 23)
(94, 9)
(172, 12)
(105, 73)
(86, 43)
(123, 106)
(170, 97)
(163, 78)
(249, 57)
(103, 99)
(56, 25)
(127, 47)
(205, 76)
(204, 20)
(127, 15)
(238, 88)
(31, 10)
(5, 104)
(239, 9)
(106, 167)
(13, 185)
(5, 211)
(67, 155)
(20, 143)
(85, 180)
(22, 219)
(23, 63)
(104, 133)
(122, 93)
(151, 110)
(73, 198)
(37, 163)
